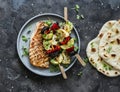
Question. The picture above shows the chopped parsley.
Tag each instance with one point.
(25, 51)
(80, 73)
(24, 38)
(109, 49)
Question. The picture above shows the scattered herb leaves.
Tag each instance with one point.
(25, 51)
(86, 60)
(78, 17)
(29, 31)
(82, 16)
(48, 22)
(107, 67)
(24, 38)
(75, 39)
(76, 8)
(80, 73)
(109, 49)
(92, 45)
(75, 48)
(54, 68)
(65, 65)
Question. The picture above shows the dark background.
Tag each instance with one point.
(14, 77)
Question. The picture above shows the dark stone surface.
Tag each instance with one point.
(14, 77)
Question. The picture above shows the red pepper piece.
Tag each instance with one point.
(55, 26)
(47, 31)
(70, 49)
(65, 40)
(56, 48)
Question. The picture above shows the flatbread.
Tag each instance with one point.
(97, 61)
(37, 55)
(93, 53)
(109, 47)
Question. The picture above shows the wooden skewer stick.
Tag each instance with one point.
(63, 72)
(65, 13)
(61, 67)
(76, 55)
(80, 60)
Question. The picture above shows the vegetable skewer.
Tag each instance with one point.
(76, 55)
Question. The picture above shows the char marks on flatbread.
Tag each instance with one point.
(37, 55)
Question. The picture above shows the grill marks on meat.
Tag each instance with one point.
(37, 55)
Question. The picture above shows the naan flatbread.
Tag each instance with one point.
(109, 47)
(94, 58)
(37, 55)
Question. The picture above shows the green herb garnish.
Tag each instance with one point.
(82, 16)
(28, 31)
(48, 22)
(54, 68)
(25, 51)
(24, 38)
(107, 67)
(76, 8)
(75, 48)
(86, 60)
(75, 39)
(65, 65)
(92, 45)
(80, 73)
(78, 16)
(109, 49)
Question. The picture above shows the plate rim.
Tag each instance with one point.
(28, 21)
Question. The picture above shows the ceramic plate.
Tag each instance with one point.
(27, 30)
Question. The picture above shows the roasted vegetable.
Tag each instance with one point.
(57, 60)
(54, 62)
(68, 50)
(48, 22)
(47, 36)
(55, 48)
(55, 26)
(54, 54)
(45, 28)
(68, 26)
(46, 45)
(66, 58)
(69, 44)
(65, 40)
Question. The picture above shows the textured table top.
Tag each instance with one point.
(14, 77)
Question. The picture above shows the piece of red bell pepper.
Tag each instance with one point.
(56, 48)
(65, 40)
(70, 49)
